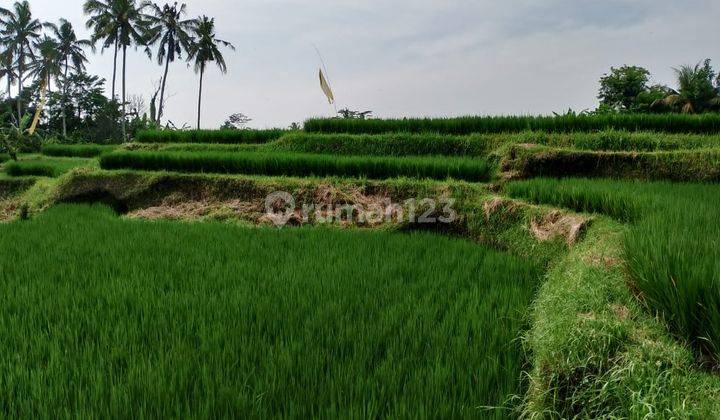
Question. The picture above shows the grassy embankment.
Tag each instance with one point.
(672, 250)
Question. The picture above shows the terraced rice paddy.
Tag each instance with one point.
(601, 298)
(109, 317)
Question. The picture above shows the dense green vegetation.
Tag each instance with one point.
(48, 167)
(403, 144)
(296, 164)
(700, 165)
(209, 136)
(666, 123)
(399, 144)
(672, 251)
(105, 317)
(195, 147)
(76, 150)
(617, 140)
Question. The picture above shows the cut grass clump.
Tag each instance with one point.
(672, 250)
(209, 136)
(668, 123)
(78, 150)
(292, 164)
(46, 167)
(255, 322)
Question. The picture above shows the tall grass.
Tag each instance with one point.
(194, 147)
(209, 136)
(583, 195)
(47, 167)
(400, 144)
(619, 140)
(672, 250)
(76, 150)
(291, 164)
(103, 317)
(4, 157)
(670, 123)
(403, 144)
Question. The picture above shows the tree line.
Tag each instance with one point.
(45, 63)
(628, 89)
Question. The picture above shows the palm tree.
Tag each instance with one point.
(123, 23)
(206, 48)
(7, 69)
(70, 50)
(18, 32)
(173, 34)
(696, 92)
(104, 26)
(46, 65)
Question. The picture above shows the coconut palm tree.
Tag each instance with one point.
(46, 65)
(105, 27)
(71, 53)
(173, 34)
(205, 48)
(18, 32)
(7, 69)
(122, 23)
(696, 92)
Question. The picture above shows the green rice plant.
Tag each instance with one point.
(582, 195)
(193, 147)
(294, 164)
(669, 123)
(105, 317)
(47, 167)
(399, 144)
(673, 256)
(699, 165)
(618, 140)
(209, 136)
(406, 144)
(672, 250)
(76, 150)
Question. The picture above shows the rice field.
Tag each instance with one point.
(664, 123)
(209, 136)
(672, 251)
(104, 317)
(76, 150)
(108, 316)
(45, 166)
(298, 164)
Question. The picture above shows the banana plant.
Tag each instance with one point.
(14, 136)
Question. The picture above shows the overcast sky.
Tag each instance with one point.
(419, 57)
